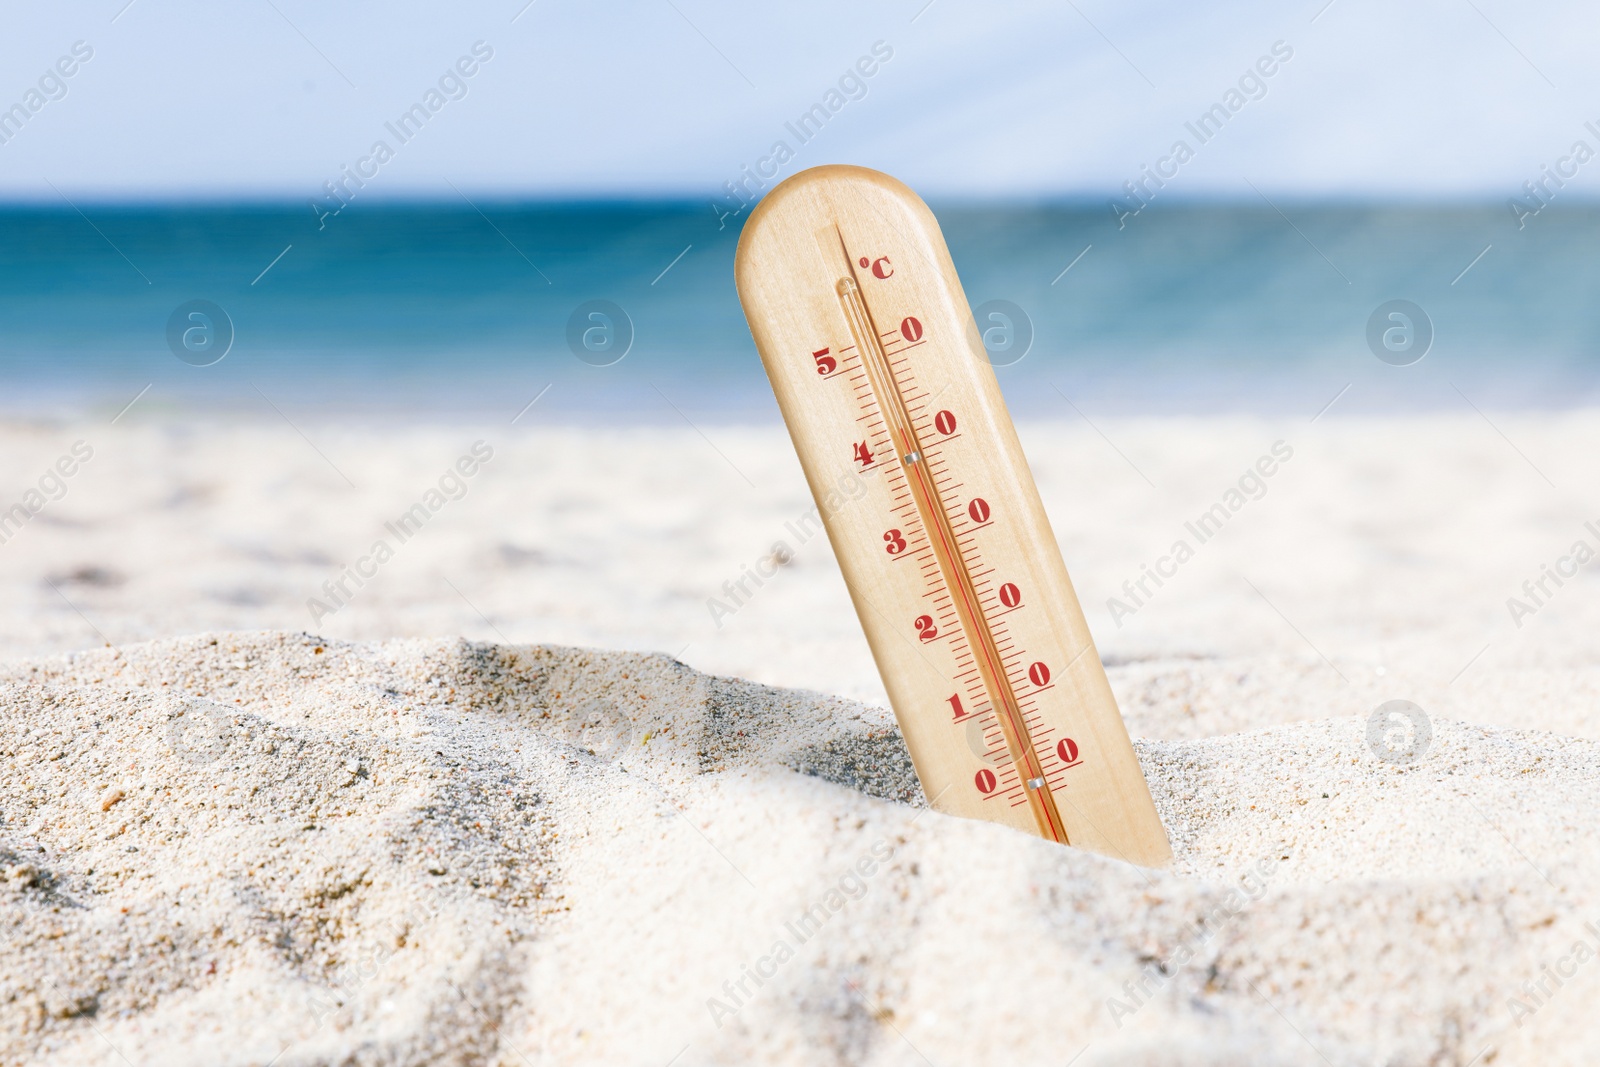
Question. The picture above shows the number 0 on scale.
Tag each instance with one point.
(879, 370)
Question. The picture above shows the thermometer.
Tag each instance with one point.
(949, 558)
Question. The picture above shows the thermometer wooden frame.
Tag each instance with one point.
(949, 557)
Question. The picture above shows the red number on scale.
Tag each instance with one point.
(945, 422)
(864, 454)
(911, 329)
(985, 782)
(826, 364)
(897, 544)
(1039, 675)
(1010, 595)
(1067, 749)
(954, 700)
(978, 509)
(926, 630)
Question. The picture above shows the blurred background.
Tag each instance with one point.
(280, 264)
(1336, 156)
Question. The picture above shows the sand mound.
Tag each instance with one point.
(269, 848)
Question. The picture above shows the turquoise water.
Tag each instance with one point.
(455, 308)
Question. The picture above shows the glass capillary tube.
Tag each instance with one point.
(942, 539)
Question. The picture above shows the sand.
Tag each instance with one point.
(356, 842)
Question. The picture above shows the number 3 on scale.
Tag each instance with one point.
(896, 545)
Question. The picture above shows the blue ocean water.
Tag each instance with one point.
(447, 308)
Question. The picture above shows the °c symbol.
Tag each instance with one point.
(881, 268)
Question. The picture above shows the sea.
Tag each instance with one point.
(481, 308)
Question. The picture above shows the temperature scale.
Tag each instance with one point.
(881, 375)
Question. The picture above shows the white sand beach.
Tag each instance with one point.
(520, 796)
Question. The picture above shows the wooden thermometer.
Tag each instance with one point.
(949, 557)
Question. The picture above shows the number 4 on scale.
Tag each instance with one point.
(864, 454)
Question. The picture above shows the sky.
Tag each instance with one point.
(184, 100)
